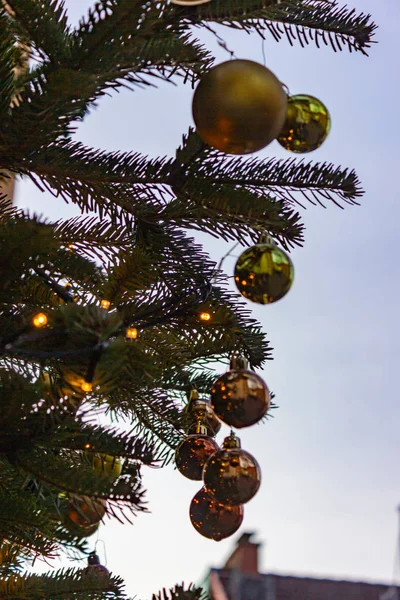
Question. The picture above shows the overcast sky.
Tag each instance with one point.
(329, 458)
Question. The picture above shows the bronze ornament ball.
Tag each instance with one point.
(85, 511)
(264, 273)
(239, 107)
(213, 520)
(192, 454)
(232, 475)
(240, 398)
(307, 124)
(78, 530)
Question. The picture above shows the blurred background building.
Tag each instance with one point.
(240, 579)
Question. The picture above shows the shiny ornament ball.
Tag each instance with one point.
(264, 273)
(214, 520)
(232, 475)
(307, 124)
(240, 398)
(104, 464)
(192, 454)
(79, 531)
(85, 511)
(239, 107)
(198, 410)
(95, 568)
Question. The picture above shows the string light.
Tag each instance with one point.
(204, 316)
(40, 320)
(105, 304)
(131, 333)
(87, 386)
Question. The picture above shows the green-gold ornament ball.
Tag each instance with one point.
(307, 124)
(264, 273)
(239, 107)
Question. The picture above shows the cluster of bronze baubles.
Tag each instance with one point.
(240, 106)
(231, 476)
(83, 514)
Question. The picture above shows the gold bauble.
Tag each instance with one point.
(192, 454)
(264, 273)
(307, 124)
(232, 475)
(85, 511)
(104, 464)
(239, 107)
(198, 410)
(240, 398)
(214, 520)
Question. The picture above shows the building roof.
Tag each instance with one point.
(238, 586)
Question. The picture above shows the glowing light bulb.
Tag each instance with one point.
(105, 304)
(204, 316)
(131, 333)
(87, 386)
(40, 320)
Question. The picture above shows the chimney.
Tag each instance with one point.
(244, 558)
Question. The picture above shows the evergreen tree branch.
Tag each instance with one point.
(43, 26)
(304, 21)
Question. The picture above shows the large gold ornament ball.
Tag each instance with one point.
(307, 124)
(239, 107)
(264, 273)
(212, 519)
(240, 398)
(85, 511)
(105, 464)
(232, 476)
(192, 454)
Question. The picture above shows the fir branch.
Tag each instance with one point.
(181, 592)
(289, 180)
(43, 26)
(304, 21)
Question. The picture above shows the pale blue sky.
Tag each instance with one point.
(330, 456)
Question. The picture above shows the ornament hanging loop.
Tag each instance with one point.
(266, 238)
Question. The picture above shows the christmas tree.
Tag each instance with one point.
(121, 311)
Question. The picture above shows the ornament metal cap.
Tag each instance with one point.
(232, 441)
(193, 395)
(238, 362)
(93, 559)
(266, 238)
(198, 427)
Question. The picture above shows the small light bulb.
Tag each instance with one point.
(87, 446)
(105, 304)
(204, 316)
(87, 386)
(131, 333)
(40, 320)
(71, 247)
